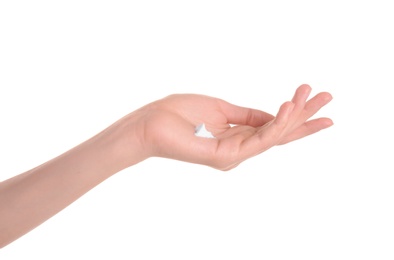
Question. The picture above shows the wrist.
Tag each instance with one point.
(124, 142)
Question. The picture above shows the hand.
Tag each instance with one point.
(163, 128)
(166, 127)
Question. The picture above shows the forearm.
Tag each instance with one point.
(28, 199)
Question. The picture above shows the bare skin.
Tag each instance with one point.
(164, 128)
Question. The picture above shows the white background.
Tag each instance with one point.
(68, 69)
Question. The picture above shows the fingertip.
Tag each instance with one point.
(326, 95)
(329, 96)
(328, 122)
(302, 93)
(305, 87)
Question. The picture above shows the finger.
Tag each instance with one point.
(284, 112)
(244, 116)
(301, 95)
(245, 142)
(312, 107)
(268, 135)
(299, 99)
(316, 103)
(308, 128)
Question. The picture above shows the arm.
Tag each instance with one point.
(30, 198)
(164, 128)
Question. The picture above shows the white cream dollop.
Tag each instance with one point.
(201, 131)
